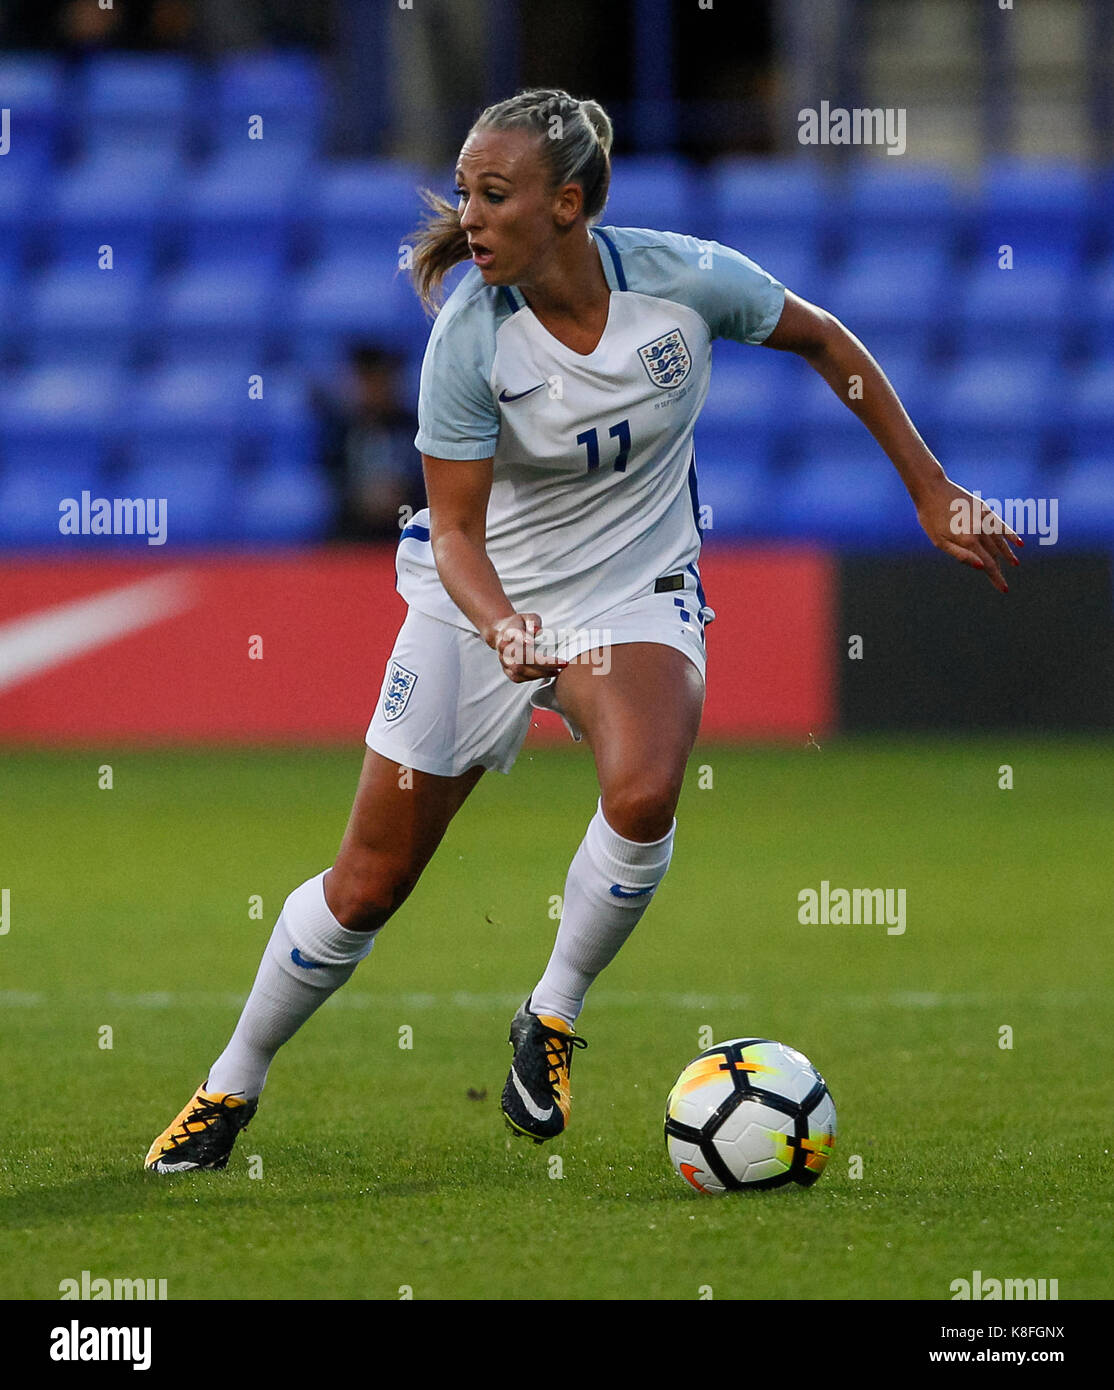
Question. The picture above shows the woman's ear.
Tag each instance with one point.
(568, 204)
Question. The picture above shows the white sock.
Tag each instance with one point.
(596, 920)
(286, 992)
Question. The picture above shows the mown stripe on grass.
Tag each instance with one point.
(464, 999)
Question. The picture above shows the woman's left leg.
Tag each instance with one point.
(640, 718)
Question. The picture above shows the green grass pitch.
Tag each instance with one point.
(384, 1169)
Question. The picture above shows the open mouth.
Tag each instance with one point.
(481, 255)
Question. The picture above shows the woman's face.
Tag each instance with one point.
(510, 214)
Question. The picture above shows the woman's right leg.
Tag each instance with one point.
(326, 927)
(328, 924)
(398, 819)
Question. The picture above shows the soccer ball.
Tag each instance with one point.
(749, 1113)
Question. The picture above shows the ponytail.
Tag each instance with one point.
(439, 244)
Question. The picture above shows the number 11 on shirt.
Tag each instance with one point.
(591, 441)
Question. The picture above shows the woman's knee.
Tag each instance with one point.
(363, 890)
(641, 808)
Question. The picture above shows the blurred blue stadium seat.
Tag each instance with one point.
(886, 201)
(20, 194)
(899, 340)
(35, 479)
(751, 194)
(857, 240)
(283, 417)
(216, 460)
(734, 483)
(356, 297)
(1094, 306)
(883, 289)
(58, 456)
(266, 247)
(656, 192)
(1102, 214)
(754, 392)
(317, 355)
(242, 206)
(791, 255)
(183, 407)
(73, 313)
(123, 198)
(125, 102)
(233, 352)
(199, 481)
(190, 400)
(33, 89)
(363, 207)
(284, 88)
(1008, 399)
(11, 337)
(824, 419)
(912, 374)
(1085, 494)
(1090, 400)
(1035, 300)
(217, 308)
(55, 427)
(774, 396)
(849, 496)
(996, 473)
(60, 404)
(286, 502)
(1034, 205)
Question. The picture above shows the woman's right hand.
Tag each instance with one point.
(513, 639)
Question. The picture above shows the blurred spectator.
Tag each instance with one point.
(437, 70)
(369, 448)
(211, 26)
(78, 25)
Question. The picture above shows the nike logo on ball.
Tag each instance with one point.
(518, 395)
(298, 959)
(689, 1172)
(619, 892)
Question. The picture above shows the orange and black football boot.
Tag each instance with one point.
(203, 1134)
(536, 1098)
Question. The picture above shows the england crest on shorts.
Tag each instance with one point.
(400, 685)
(667, 359)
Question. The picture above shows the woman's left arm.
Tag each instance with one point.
(954, 520)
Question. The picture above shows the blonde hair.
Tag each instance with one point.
(579, 152)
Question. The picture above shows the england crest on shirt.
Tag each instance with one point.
(667, 359)
(400, 686)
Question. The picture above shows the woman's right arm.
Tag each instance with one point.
(458, 492)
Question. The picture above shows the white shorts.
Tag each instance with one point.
(446, 704)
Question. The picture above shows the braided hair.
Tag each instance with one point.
(574, 140)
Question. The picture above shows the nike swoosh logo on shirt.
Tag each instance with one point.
(618, 892)
(518, 395)
(524, 1096)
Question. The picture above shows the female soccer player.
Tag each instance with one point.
(559, 392)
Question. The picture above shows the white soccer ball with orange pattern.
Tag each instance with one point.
(749, 1113)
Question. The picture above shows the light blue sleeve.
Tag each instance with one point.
(736, 298)
(457, 416)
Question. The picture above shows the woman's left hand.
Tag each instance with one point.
(964, 527)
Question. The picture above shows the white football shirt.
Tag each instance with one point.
(594, 493)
